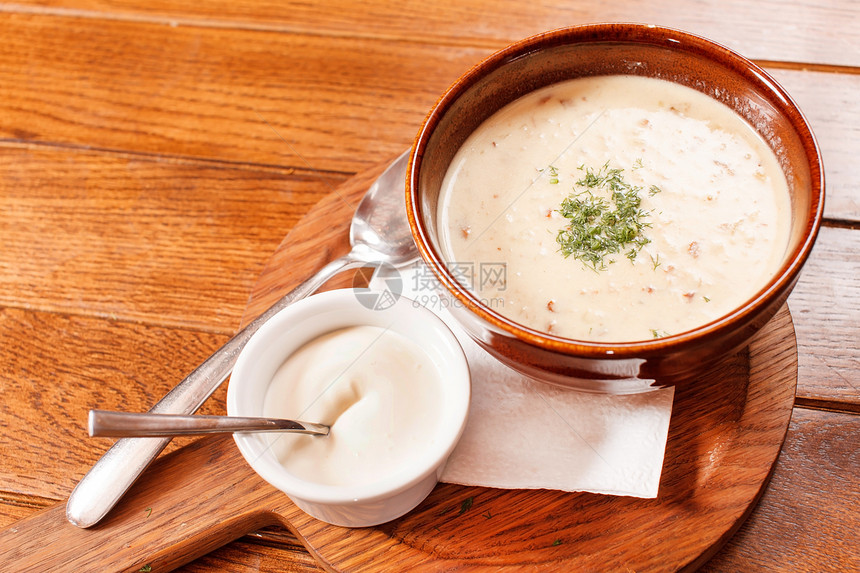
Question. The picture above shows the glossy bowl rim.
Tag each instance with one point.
(630, 33)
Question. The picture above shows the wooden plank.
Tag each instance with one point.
(793, 30)
(54, 368)
(142, 238)
(15, 506)
(248, 556)
(266, 550)
(807, 518)
(328, 103)
(831, 104)
(825, 305)
(323, 103)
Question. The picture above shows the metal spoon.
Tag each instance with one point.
(105, 423)
(379, 233)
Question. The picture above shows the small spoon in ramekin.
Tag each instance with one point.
(106, 423)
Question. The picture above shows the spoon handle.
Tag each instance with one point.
(108, 480)
(127, 424)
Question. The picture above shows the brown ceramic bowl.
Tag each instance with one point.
(603, 49)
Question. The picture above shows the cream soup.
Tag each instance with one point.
(702, 200)
(378, 390)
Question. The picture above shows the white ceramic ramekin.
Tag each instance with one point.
(392, 495)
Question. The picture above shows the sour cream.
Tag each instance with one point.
(379, 392)
(712, 192)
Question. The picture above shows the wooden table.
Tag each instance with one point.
(154, 155)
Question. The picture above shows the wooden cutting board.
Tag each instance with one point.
(725, 435)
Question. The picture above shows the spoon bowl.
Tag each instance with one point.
(379, 231)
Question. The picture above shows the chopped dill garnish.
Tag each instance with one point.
(706, 299)
(598, 226)
(655, 261)
(553, 175)
(659, 333)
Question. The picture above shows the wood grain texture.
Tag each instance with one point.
(141, 239)
(786, 532)
(303, 245)
(154, 154)
(54, 368)
(347, 102)
(830, 103)
(269, 549)
(804, 517)
(340, 106)
(766, 29)
(250, 556)
(724, 437)
(826, 304)
(213, 498)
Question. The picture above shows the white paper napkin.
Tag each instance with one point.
(524, 434)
